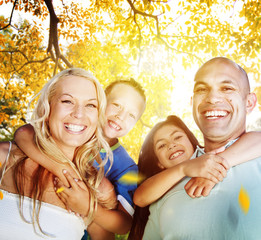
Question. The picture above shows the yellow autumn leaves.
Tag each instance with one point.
(244, 200)
(1, 194)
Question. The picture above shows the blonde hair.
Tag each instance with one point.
(84, 155)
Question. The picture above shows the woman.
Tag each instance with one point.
(67, 122)
(165, 160)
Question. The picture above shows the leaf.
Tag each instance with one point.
(244, 200)
(59, 190)
(131, 178)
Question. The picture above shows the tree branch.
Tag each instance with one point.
(158, 33)
(10, 20)
(53, 36)
(28, 61)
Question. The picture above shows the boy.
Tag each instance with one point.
(126, 103)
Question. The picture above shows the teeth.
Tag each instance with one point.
(74, 128)
(114, 125)
(176, 154)
(215, 114)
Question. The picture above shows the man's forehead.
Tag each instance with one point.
(222, 69)
(220, 81)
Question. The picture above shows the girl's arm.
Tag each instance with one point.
(213, 168)
(246, 148)
(24, 137)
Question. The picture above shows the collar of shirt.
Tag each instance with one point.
(200, 151)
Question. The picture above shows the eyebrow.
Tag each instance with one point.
(161, 139)
(204, 83)
(68, 94)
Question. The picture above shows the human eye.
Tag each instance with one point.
(200, 89)
(160, 146)
(178, 137)
(116, 105)
(132, 116)
(67, 101)
(91, 105)
(227, 88)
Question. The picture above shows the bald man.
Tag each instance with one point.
(221, 101)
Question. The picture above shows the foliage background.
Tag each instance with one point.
(159, 43)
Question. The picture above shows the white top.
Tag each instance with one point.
(55, 221)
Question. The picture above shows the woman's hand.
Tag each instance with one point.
(75, 197)
(59, 173)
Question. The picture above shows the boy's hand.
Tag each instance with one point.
(106, 195)
(76, 197)
(197, 187)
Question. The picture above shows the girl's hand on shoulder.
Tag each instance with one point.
(198, 187)
(210, 166)
(75, 197)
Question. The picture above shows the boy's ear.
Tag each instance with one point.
(251, 102)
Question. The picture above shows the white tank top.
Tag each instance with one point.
(55, 221)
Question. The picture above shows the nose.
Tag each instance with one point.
(120, 114)
(171, 146)
(213, 97)
(78, 111)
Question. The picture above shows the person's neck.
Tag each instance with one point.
(67, 151)
(112, 141)
(211, 145)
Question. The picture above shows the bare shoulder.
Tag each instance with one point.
(4, 147)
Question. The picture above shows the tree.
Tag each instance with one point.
(147, 39)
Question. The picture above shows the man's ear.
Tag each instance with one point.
(251, 102)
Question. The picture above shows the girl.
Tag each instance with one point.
(164, 161)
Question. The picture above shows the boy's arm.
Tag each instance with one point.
(213, 168)
(246, 148)
(24, 138)
(76, 198)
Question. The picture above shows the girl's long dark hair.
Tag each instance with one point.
(148, 166)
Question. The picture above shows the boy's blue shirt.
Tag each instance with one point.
(122, 165)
